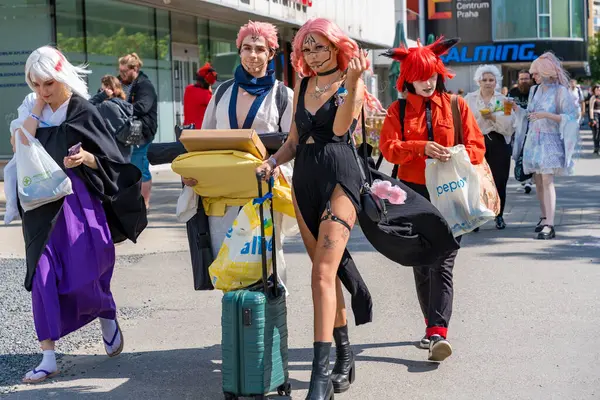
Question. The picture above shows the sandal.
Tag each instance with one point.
(46, 375)
(109, 344)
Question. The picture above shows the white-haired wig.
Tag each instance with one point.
(48, 63)
(488, 69)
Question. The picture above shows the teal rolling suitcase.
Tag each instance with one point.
(254, 333)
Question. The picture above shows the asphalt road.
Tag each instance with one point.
(524, 326)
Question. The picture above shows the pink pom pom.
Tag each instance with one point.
(397, 195)
(384, 190)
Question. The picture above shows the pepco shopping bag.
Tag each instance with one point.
(239, 262)
(454, 189)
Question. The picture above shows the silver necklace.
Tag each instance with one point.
(319, 91)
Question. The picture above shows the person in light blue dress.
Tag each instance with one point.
(548, 141)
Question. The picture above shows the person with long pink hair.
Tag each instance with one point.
(327, 184)
(547, 135)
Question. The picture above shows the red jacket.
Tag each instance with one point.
(195, 101)
(409, 154)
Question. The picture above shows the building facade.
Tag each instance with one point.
(173, 38)
(510, 34)
(594, 17)
(410, 19)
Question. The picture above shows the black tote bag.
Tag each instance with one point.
(413, 233)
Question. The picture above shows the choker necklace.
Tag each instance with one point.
(331, 71)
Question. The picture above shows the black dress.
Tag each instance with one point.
(319, 167)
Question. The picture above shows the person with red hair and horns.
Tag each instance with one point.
(420, 127)
(327, 183)
(196, 97)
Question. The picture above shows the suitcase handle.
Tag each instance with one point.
(263, 244)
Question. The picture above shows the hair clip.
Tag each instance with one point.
(59, 64)
(340, 96)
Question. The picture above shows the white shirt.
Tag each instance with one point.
(577, 96)
(52, 118)
(267, 120)
(503, 124)
(267, 117)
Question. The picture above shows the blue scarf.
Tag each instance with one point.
(259, 87)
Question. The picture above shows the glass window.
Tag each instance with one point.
(412, 19)
(115, 29)
(70, 38)
(577, 18)
(223, 52)
(544, 26)
(24, 27)
(412, 24)
(166, 117)
(514, 19)
(203, 43)
(560, 19)
(544, 6)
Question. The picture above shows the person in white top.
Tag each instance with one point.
(488, 105)
(252, 100)
(578, 98)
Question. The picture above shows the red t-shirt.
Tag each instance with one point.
(195, 101)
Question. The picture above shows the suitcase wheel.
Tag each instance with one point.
(285, 389)
(230, 396)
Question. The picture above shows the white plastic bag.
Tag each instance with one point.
(454, 190)
(10, 191)
(187, 204)
(39, 178)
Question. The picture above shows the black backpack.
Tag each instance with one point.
(130, 133)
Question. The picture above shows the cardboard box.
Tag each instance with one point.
(245, 140)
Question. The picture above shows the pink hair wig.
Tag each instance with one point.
(549, 67)
(264, 29)
(347, 49)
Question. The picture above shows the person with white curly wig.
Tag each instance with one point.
(488, 105)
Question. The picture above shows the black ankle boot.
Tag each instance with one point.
(342, 374)
(321, 387)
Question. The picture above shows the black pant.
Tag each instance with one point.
(596, 132)
(497, 154)
(435, 288)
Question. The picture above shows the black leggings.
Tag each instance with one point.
(435, 286)
(497, 154)
(596, 132)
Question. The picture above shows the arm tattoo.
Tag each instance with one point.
(329, 244)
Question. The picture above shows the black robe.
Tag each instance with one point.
(116, 183)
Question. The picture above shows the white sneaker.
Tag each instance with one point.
(439, 348)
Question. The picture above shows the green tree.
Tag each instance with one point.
(594, 54)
